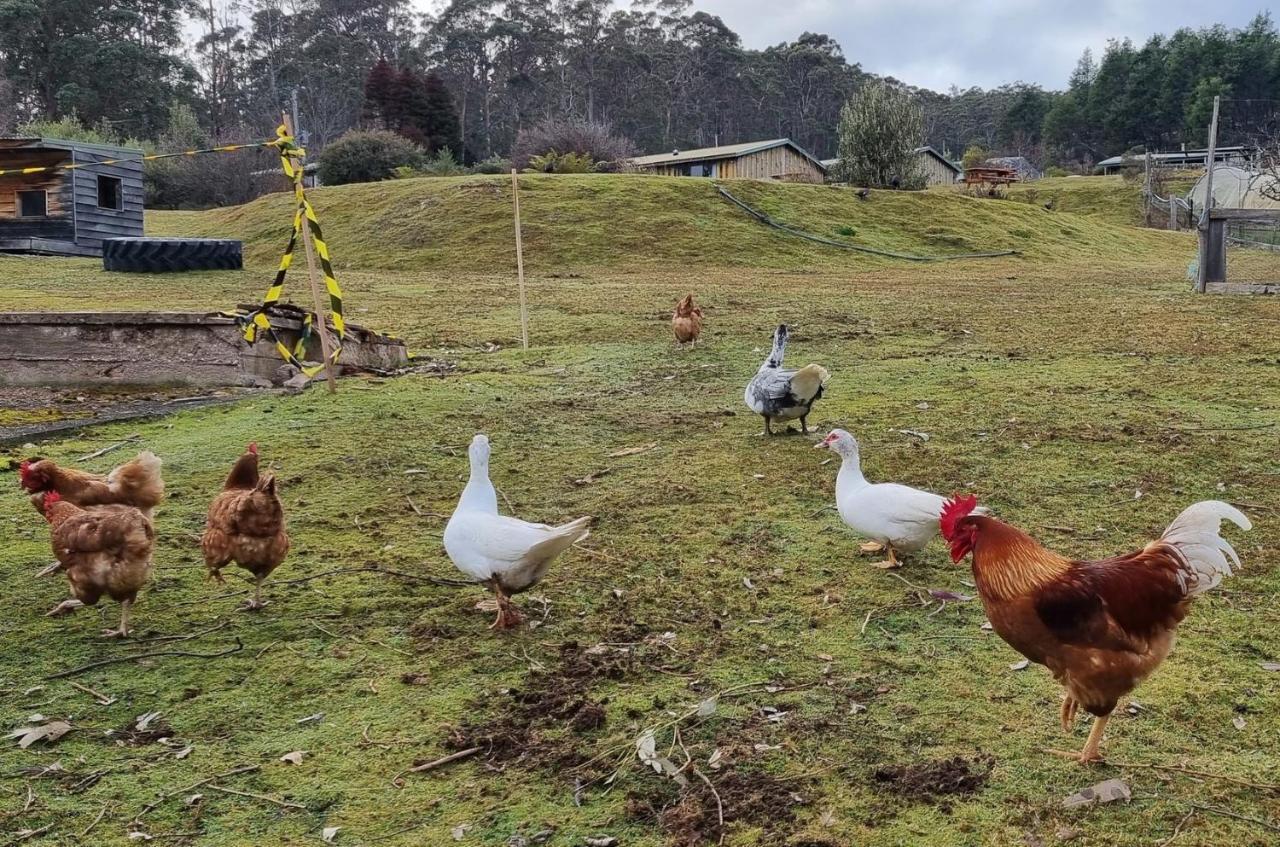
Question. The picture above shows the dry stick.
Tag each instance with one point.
(96, 820)
(155, 804)
(524, 311)
(719, 803)
(148, 655)
(1230, 814)
(1177, 830)
(105, 450)
(282, 803)
(33, 833)
(103, 699)
(309, 249)
(213, 628)
(452, 757)
(1264, 786)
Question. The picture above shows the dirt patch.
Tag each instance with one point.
(533, 720)
(690, 815)
(130, 736)
(933, 781)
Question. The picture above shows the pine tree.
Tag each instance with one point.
(411, 110)
(380, 97)
(441, 128)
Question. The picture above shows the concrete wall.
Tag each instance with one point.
(161, 348)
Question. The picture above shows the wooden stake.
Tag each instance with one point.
(524, 310)
(1202, 272)
(317, 301)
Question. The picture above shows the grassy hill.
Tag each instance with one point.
(465, 224)
(1112, 199)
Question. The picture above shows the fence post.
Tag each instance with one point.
(1202, 276)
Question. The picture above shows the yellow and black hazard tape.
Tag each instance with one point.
(226, 148)
(257, 320)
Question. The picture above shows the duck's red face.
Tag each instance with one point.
(958, 528)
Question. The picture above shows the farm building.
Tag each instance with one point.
(1184, 158)
(67, 212)
(781, 159)
(1020, 165)
(937, 169)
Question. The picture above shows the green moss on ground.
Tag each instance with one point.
(1058, 386)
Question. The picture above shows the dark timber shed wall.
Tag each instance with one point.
(74, 222)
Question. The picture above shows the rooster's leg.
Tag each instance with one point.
(123, 631)
(255, 603)
(66, 607)
(1069, 708)
(1090, 752)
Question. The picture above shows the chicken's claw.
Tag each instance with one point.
(66, 607)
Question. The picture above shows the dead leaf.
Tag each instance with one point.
(948, 596)
(329, 833)
(294, 758)
(1066, 833)
(49, 732)
(316, 718)
(139, 836)
(715, 759)
(1104, 792)
(193, 799)
(632, 451)
(1020, 666)
(1238, 722)
(600, 841)
(593, 477)
(707, 707)
(184, 752)
(827, 818)
(987, 625)
(915, 433)
(459, 832)
(145, 720)
(1270, 666)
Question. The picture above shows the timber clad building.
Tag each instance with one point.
(67, 212)
(781, 159)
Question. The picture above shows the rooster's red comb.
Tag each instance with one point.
(959, 507)
(252, 448)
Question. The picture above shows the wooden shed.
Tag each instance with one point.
(938, 170)
(67, 212)
(780, 159)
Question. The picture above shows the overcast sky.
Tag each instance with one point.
(937, 44)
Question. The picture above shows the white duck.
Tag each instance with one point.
(895, 517)
(508, 554)
(784, 395)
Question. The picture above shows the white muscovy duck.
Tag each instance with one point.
(508, 554)
(784, 395)
(897, 518)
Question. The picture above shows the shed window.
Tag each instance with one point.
(110, 193)
(33, 203)
(700, 169)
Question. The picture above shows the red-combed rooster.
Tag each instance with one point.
(136, 483)
(1100, 627)
(104, 550)
(246, 525)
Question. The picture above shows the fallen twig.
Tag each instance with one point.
(102, 813)
(103, 699)
(213, 628)
(445, 760)
(1264, 786)
(719, 803)
(1177, 830)
(282, 803)
(105, 450)
(163, 798)
(32, 833)
(1230, 814)
(147, 655)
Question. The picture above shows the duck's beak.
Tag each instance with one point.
(824, 443)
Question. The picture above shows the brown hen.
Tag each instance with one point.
(136, 483)
(103, 550)
(246, 525)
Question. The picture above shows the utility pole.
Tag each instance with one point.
(1202, 269)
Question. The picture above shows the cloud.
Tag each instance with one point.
(939, 44)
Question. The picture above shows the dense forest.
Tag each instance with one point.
(659, 72)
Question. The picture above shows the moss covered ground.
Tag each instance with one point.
(1078, 388)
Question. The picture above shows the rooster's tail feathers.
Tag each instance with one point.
(149, 461)
(1195, 535)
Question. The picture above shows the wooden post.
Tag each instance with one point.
(309, 249)
(524, 310)
(1173, 213)
(1203, 265)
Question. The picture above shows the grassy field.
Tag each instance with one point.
(1077, 388)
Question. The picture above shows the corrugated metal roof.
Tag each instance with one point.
(1181, 155)
(831, 163)
(30, 142)
(726, 151)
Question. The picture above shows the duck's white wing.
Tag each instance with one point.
(910, 516)
(484, 546)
